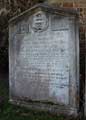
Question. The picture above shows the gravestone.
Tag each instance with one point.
(44, 59)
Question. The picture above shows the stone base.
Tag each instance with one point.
(51, 108)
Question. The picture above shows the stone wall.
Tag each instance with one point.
(76, 4)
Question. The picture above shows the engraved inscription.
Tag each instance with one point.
(44, 63)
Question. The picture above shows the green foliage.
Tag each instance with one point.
(3, 57)
(15, 113)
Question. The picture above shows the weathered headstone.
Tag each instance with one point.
(44, 59)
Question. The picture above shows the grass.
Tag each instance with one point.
(12, 112)
(16, 113)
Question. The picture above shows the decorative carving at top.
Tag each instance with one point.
(39, 22)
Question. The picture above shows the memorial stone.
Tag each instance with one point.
(44, 59)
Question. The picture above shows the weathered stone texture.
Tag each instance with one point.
(44, 59)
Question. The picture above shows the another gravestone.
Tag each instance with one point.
(44, 59)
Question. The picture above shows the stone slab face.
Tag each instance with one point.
(43, 57)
